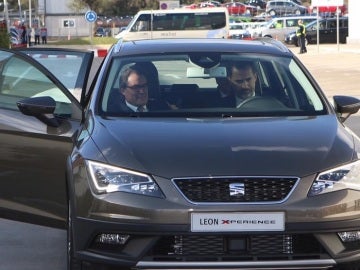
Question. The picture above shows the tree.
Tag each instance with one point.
(4, 36)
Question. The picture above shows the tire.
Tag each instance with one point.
(72, 262)
(348, 266)
(272, 12)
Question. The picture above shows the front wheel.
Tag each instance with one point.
(72, 262)
(348, 266)
(272, 12)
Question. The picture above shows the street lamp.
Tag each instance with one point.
(29, 14)
(6, 14)
(20, 15)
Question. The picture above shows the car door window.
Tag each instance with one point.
(322, 25)
(20, 79)
(70, 67)
(332, 24)
(344, 23)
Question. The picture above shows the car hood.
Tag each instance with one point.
(294, 146)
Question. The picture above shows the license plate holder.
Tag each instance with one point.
(237, 221)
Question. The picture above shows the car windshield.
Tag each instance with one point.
(210, 85)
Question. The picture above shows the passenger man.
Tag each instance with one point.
(134, 89)
(242, 77)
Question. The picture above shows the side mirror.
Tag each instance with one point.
(40, 107)
(346, 105)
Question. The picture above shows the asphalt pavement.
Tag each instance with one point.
(336, 67)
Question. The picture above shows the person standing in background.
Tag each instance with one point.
(28, 34)
(43, 33)
(300, 33)
(37, 35)
(23, 34)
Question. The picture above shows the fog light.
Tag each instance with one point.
(112, 238)
(349, 236)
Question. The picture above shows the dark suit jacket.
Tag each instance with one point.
(226, 102)
(116, 104)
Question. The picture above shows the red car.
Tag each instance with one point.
(327, 9)
(192, 6)
(237, 8)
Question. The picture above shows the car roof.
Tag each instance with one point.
(292, 17)
(282, 1)
(140, 47)
(182, 10)
(325, 19)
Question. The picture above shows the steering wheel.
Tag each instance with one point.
(261, 103)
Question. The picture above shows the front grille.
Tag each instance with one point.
(235, 189)
(236, 248)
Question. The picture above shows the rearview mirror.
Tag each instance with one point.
(197, 72)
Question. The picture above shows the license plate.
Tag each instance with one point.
(237, 222)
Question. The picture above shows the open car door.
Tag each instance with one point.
(40, 114)
(70, 67)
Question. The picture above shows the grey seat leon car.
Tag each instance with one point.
(192, 181)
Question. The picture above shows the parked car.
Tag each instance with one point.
(101, 32)
(299, 2)
(327, 31)
(279, 27)
(238, 8)
(254, 28)
(285, 7)
(210, 4)
(328, 10)
(239, 31)
(263, 182)
(259, 4)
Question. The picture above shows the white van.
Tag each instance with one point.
(178, 23)
(278, 28)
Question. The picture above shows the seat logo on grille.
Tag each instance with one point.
(237, 189)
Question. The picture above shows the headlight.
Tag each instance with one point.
(106, 179)
(343, 177)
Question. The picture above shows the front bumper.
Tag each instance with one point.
(175, 247)
(160, 237)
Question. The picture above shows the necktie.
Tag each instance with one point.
(140, 109)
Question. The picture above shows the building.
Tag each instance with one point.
(354, 22)
(61, 21)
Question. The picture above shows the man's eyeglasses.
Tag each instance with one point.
(137, 87)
